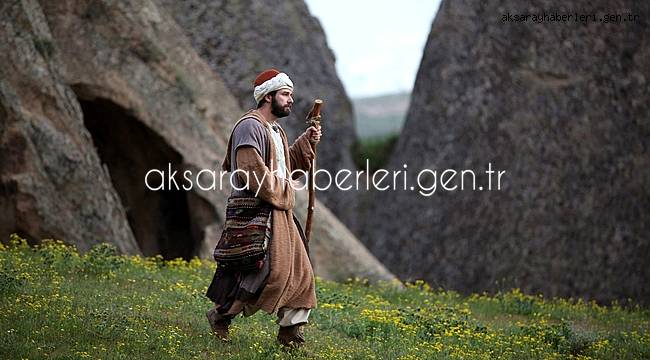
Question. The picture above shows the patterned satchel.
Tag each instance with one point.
(245, 235)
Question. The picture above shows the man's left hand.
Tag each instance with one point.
(314, 134)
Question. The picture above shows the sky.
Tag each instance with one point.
(378, 44)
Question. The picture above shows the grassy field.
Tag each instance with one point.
(62, 305)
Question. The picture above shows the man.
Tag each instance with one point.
(284, 285)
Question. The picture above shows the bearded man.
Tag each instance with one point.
(259, 155)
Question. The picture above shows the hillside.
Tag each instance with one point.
(60, 304)
(380, 116)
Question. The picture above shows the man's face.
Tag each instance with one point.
(281, 103)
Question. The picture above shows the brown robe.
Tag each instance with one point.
(290, 279)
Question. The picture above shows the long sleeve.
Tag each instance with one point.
(269, 187)
(301, 154)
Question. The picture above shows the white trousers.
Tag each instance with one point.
(288, 316)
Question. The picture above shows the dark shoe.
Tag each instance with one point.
(218, 324)
(291, 336)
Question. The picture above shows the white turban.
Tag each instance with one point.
(279, 81)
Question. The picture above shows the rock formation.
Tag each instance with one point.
(52, 183)
(93, 94)
(240, 38)
(563, 108)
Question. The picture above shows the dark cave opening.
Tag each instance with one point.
(160, 220)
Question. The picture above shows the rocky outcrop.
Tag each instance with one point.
(148, 101)
(241, 38)
(563, 108)
(51, 182)
(93, 95)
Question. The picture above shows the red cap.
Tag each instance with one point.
(265, 76)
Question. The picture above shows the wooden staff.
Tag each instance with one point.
(313, 119)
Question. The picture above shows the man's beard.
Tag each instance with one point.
(278, 110)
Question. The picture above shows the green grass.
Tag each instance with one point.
(56, 303)
(376, 151)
